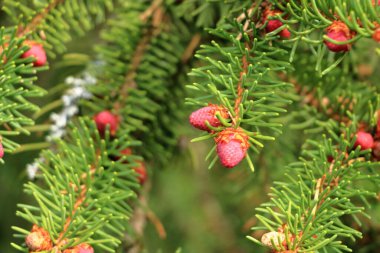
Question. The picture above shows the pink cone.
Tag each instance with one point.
(364, 140)
(36, 51)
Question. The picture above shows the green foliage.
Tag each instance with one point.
(328, 94)
(50, 23)
(251, 64)
(84, 193)
(335, 96)
(307, 21)
(53, 22)
(320, 190)
(145, 70)
(210, 12)
(17, 85)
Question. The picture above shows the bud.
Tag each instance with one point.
(376, 35)
(208, 113)
(142, 173)
(36, 51)
(276, 237)
(1, 150)
(274, 24)
(338, 31)
(104, 118)
(38, 239)
(232, 145)
(364, 140)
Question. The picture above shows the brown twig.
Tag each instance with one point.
(141, 214)
(193, 44)
(157, 15)
(149, 12)
(321, 186)
(36, 21)
(240, 88)
(157, 224)
(138, 222)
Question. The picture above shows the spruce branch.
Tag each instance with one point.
(77, 207)
(17, 68)
(239, 80)
(53, 23)
(240, 89)
(17, 82)
(308, 208)
(155, 13)
(96, 228)
(37, 19)
(336, 97)
(311, 31)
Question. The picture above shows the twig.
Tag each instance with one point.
(140, 215)
(156, 13)
(151, 9)
(36, 21)
(193, 44)
(240, 88)
(318, 189)
(157, 224)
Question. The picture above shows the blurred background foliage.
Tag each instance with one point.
(201, 211)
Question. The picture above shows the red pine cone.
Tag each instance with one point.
(376, 35)
(142, 173)
(1, 150)
(104, 118)
(364, 140)
(232, 145)
(338, 31)
(126, 151)
(199, 117)
(36, 51)
(38, 240)
(80, 248)
(285, 34)
(274, 24)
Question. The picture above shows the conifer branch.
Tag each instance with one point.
(88, 188)
(240, 89)
(312, 219)
(65, 234)
(156, 14)
(37, 20)
(248, 64)
(82, 190)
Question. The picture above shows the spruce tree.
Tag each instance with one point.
(115, 104)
